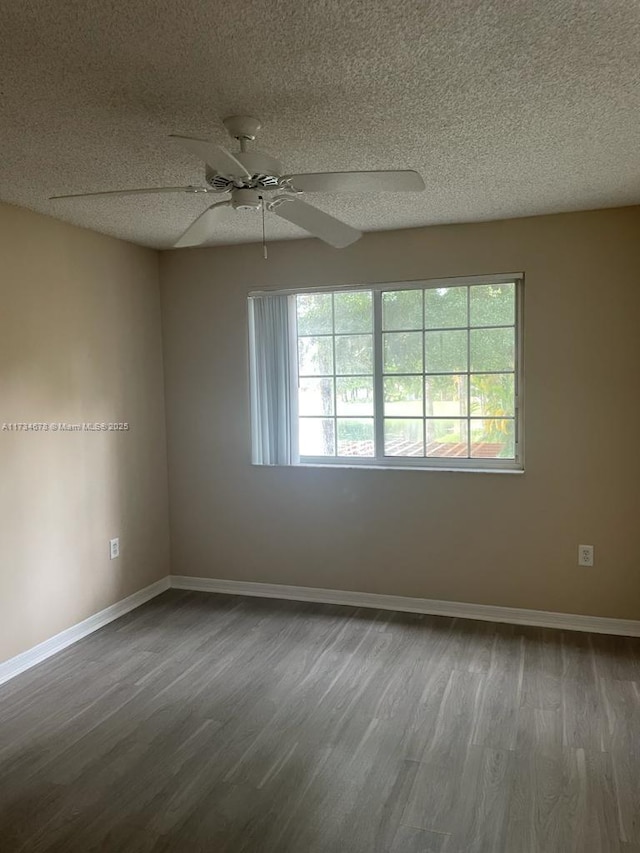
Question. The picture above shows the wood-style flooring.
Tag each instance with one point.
(224, 724)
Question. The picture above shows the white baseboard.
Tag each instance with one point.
(458, 609)
(14, 666)
(485, 612)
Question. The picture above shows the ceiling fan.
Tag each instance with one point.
(244, 179)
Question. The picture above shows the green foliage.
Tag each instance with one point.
(315, 356)
(314, 313)
(492, 394)
(402, 309)
(451, 390)
(492, 349)
(493, 305)
(498, 431)
(353, 311)
(445, 352)
(445, 307)
(354, 354)
(355, 429)
(402, 352)
(401, 389)
(354, 389)
(448, 431)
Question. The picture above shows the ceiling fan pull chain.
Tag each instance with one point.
(264, 241)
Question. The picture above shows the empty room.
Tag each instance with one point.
(319, 407)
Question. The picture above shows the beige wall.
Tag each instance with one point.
(80, 340)
(488, 538)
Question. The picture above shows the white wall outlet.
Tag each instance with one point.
(585, 555)
(114, 548)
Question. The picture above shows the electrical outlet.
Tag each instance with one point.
(114, 548)
(585, 555)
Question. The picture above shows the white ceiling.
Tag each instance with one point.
(507, 108)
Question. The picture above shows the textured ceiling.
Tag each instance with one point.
(506, 108)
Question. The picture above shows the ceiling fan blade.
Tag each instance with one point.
(136, 192)
(404, 180)
(203, 227)
(215, 156)
(315, 221)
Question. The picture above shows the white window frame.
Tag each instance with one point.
(422, 463)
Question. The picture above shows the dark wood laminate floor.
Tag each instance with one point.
(222, 724)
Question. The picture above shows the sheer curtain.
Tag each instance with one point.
(272, 377)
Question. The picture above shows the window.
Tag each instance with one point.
(335, 374)
(423, 374)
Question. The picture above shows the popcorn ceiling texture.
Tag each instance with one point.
(506, 108)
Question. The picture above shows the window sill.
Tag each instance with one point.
(372, 467)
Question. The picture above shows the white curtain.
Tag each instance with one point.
(272, 376)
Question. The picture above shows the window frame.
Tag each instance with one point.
(424, 463)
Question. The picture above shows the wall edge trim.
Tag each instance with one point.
(25, 660)
(457, 609)
(433, 607)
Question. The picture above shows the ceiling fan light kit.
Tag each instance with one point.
(246, 176)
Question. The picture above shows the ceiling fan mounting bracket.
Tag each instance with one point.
(286, 185)
(278, 200)
(242, 127)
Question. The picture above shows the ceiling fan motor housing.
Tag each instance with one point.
(246, 199)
